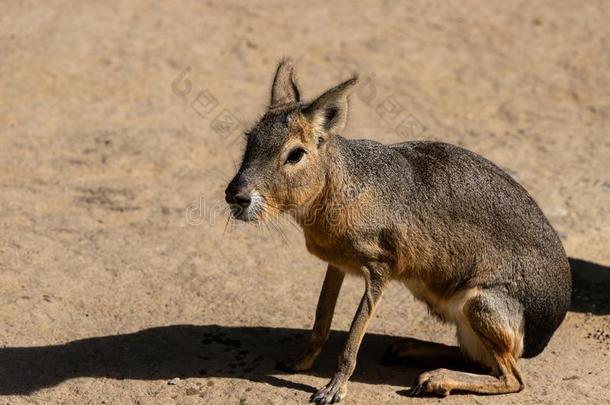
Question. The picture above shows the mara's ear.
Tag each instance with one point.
(328, 113)
(284, 89)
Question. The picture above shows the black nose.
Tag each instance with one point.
(241, 199)
(237, 194)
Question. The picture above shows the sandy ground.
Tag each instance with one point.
(120, 126)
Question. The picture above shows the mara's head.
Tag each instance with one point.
(287, 158)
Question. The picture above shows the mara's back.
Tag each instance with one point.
(490, 231)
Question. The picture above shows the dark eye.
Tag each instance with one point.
(295, 155)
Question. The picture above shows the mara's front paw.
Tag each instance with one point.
(333, 392)
(303, 363)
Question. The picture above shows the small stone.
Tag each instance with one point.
(173, 381)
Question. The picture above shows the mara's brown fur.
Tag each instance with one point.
(459, 233)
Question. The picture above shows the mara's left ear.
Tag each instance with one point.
(328, 113)
(284, 89)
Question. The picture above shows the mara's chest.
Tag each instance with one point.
(336, 249)
(344, 250)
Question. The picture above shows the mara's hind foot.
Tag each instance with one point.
(442, 381)
(488, 331)
(411, 349)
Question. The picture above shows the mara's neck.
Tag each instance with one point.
(338, 191)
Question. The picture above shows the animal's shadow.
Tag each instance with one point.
(251, 353)
(591, 287)
(183, 351)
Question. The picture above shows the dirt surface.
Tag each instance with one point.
(120, 124)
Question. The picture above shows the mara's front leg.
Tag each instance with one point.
(376, 279)
(321, 328)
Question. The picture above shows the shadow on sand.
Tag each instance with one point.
(186, 351)
(591, 287)
(238, 352)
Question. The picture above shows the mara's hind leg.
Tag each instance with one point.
(490, 332)
(411, 349)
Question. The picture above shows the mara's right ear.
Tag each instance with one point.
(284, 89)
(328, 113)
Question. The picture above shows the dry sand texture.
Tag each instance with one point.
(116, 273)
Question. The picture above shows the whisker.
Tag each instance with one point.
(282, 234)
(289, 218)
(279, 230)
(226, 225)
(269, 230)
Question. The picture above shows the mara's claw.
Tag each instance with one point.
(417, 389)
(333, 392)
